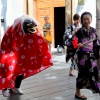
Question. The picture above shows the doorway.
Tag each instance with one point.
(59, 25)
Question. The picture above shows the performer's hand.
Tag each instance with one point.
(80, 45)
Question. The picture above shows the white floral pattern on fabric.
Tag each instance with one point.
(11, 54)
(29, 46)
(32, 63)
(42, 68)
(21, 45)
(50, 61)
(23, 57)
(40, 41)
(40, 46)
(23, 69)
(13, 61)
(6, 34)
(2, 65)
(30, 41)
(29, 71)
(3, 51)
(35, 57)
(15, 38)
(25, 48)
(38, 70)
(40, 55)
(16, 48)
(5, 56)
(31, 58)
(35, 61)
(20, 33)
(11, 68)
(4, 43)
(8, 40)
(3, 80)
(46, 57)
(11, 75)
(21, 64)
(5, 70)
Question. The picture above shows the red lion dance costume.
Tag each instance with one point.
(24, 52)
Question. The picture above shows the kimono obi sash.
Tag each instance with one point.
(88, 46)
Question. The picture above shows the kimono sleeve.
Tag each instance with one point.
(78, 35)
(96, 45)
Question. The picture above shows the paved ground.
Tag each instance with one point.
(51, 84)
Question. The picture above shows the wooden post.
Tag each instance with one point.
(98, 24)
(25, 6)
(98, 17)
(68, 13)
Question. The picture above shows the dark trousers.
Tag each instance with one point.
(18, 81)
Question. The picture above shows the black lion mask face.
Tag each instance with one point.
(29, 26)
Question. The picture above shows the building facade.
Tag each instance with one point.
(60, 13)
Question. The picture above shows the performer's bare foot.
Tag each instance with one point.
(5, 93)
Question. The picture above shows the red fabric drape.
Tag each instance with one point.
(22, 53)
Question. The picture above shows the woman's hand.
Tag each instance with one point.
(80, 45)
(75, 31)
(44, 29)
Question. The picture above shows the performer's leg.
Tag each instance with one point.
(18, 83)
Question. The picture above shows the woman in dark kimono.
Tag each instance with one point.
(88, 55)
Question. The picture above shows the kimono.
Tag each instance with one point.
(87, 56)
(67, 38)
(23, 52)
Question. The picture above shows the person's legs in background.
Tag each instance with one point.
(49, 44)
(71, 68)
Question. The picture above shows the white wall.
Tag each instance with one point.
(90, 6)
(17, 8)
(10, 10)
